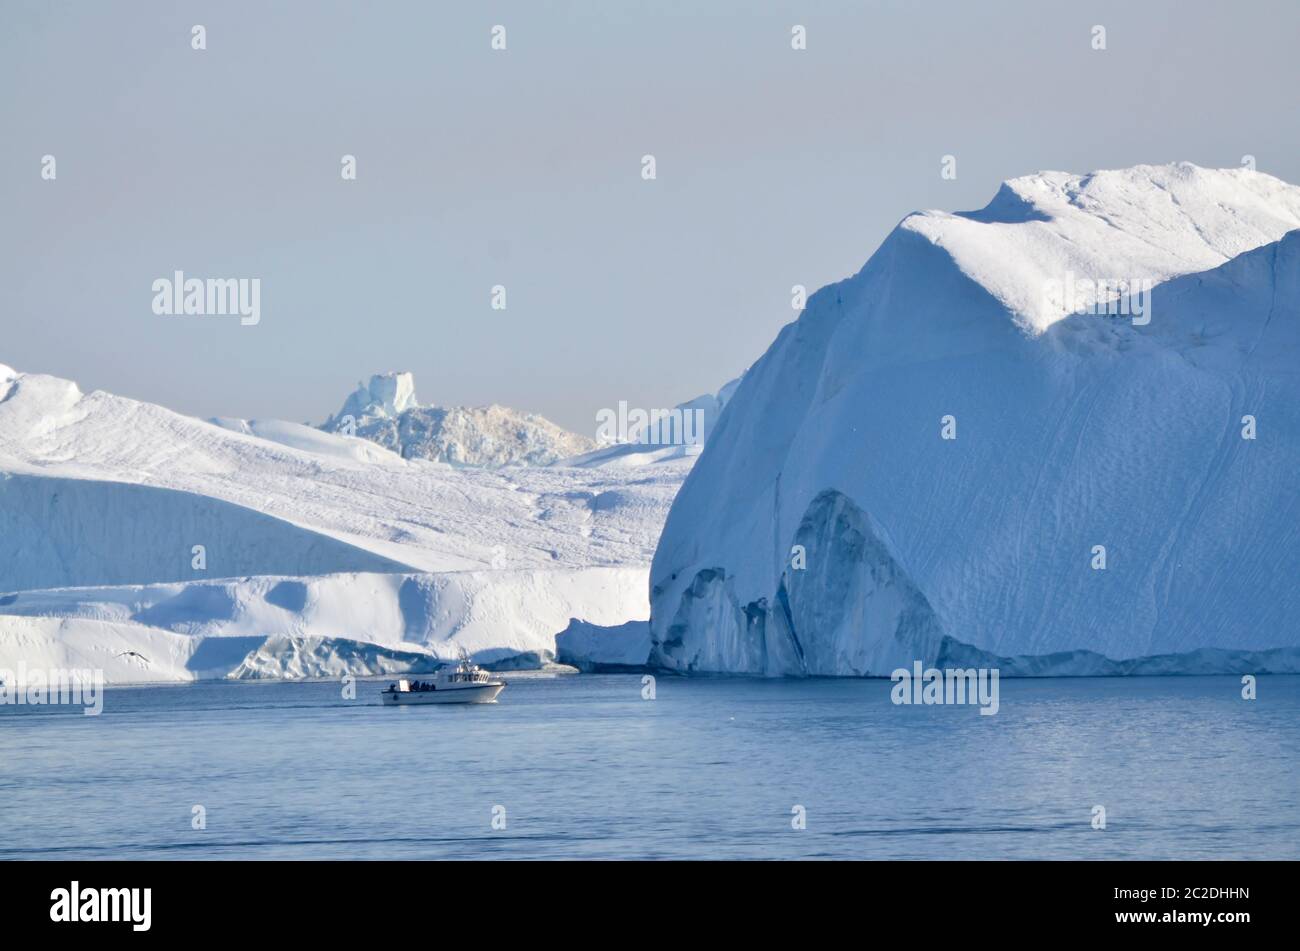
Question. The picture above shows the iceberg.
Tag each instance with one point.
(593, 648)
(385, 412)
(944, 457)
(643, 446)
(159, 547)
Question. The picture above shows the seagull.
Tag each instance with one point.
(134, 654)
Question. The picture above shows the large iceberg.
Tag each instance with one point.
(156, 546)
(947, 458)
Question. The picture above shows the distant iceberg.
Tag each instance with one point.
(595, 648)
(385, 412)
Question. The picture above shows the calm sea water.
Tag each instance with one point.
(585, 768)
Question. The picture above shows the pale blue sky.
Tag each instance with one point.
(522, 168)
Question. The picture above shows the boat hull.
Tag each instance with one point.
(477, 693)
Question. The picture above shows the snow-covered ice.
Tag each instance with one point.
(1072, 431)
(307, 535)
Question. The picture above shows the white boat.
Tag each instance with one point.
(463, 683)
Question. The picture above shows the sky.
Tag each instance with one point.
(523, 168)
